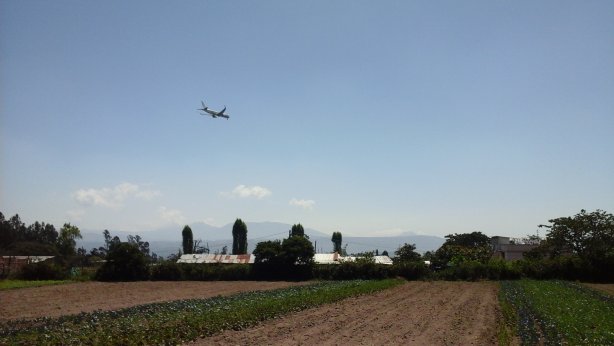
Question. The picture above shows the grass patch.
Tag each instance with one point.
(555, 312)
(12, 284)
(183, 320)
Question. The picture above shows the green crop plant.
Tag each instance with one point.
(558, 312)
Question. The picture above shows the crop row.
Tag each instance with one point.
(557, 312)
(173, 322)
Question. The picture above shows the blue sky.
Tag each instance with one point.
(369, 118)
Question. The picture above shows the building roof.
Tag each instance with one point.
(213, 258)
(319, 258)
(29, 259)
(326, 258)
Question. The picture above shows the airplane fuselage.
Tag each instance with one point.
(215, 114)
(212, 113)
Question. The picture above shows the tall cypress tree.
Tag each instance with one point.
(239, 238)
(188, 240)
(336, 239)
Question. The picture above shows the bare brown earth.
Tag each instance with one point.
(53, 301)
(607, 288)
(416, 313)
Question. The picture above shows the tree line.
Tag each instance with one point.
(575, 247)
(39, 238)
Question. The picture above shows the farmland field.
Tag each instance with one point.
(420, 313)
(54, 301)
(414, 312)
(181, 320)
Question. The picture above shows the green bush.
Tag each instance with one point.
(166, 271)
(282, 271)
(562, 267)
(495, 269)
(354, 270)
(125, 262)
(412, 270)
(42, 271)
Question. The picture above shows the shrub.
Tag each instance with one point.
(166, 271)
(282, 271)
(412, 270)
(125, 262)
(42, 271)
(353, 270)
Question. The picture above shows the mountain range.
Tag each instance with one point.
(166, 241)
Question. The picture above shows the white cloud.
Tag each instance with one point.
(171, 215)
(113, 197)
(303, 203)
(75, 215)
(242, 191)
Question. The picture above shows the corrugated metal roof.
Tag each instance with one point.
(213, 258)
(326, 258)
(383, 260)
(319, 258)
(29, 259)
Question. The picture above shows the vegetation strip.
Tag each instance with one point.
(170, 323)
(555, 312)
(12, 284)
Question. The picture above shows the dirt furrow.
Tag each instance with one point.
(420, 313)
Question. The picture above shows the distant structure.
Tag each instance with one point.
(10, 264)
(510, 250)
(212, 258)
(378, 259)
(319, 258)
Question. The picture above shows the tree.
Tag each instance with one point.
(336, 239)
(188, 240)
(268, 251)
(588, 235)
(7, 234)
(407, 253)
(200, 249)
(143, 246)
(41, 233)
(463, 247)
(384, 253)
(297, 250)
(239, 238)
(125, 262)
(66, 242)
(474, 239)
(109, 241)
(298, 230)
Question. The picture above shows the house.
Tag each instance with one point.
(509, 250)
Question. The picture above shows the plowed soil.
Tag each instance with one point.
(416, 313)
(606, 288)
(53, 301)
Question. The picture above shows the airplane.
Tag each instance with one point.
(213, 113)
